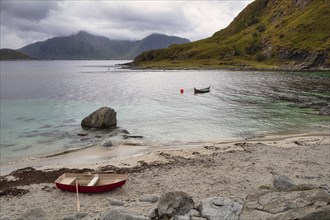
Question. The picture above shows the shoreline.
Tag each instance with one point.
(115, 154)
(96, 155)
(134, 66)
(235, 170)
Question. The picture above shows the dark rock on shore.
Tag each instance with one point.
(76, 216)
(115, 202)
(283, 183)
(82, 134)
(115, 214)
(322, 213)
(107, 144)
(102, 118)
(149, 198)
(172, 204)
(303, 59)
(132, 136)
(291, 201)
(286, 205)
(35, 214)
(220, 208)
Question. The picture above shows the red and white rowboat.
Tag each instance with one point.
(90, 183)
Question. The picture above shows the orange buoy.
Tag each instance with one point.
(181, 91)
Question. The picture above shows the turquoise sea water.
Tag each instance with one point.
(43, 103)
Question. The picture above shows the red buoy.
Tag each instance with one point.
(181, 91)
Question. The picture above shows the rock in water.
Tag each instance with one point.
(104, 117)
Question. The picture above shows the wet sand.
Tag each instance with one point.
(232, 169)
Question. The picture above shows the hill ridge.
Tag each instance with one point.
(267, 34)
(84, 45)
(9, 54)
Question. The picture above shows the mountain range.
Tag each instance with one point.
(85, 46)
(267, 34)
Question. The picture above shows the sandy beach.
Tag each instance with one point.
(233, 169)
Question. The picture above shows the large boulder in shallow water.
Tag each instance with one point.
(104, 117)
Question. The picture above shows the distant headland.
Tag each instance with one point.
(9, 54)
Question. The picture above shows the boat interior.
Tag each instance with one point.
(90, 179)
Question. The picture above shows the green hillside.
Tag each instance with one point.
(9, 54)
(267, 34)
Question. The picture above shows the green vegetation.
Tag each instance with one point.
(277, 34)
(8, 54)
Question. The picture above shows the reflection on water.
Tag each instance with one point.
(43, 102)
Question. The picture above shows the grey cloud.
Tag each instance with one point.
(29, 10)
(132, 14)
(137, 16)
(28, 21)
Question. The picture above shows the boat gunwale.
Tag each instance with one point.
(112, 178)
(204, 90)
(91, 189)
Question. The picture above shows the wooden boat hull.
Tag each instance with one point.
(107, 182)
(205, 90)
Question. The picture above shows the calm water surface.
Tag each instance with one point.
(43, 103)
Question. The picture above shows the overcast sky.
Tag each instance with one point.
(26, 21)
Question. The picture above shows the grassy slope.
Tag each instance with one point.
(9, 54)
(266, 34)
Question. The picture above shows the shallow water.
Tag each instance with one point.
(43, 103)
